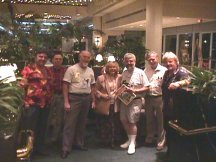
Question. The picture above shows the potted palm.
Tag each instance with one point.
(204, 85)
(11, 101)
(119, 46)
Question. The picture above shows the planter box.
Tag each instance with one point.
(8, 143)
(194, 138)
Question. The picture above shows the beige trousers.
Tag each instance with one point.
(154, 119)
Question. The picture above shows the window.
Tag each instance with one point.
(213, 61)
(185, 48)
(206, 49)
(170, 43)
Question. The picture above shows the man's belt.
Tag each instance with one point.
(80, 94)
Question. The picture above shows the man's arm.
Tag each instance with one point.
(140, 90)
(66, 96)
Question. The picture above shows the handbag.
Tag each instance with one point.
(102, 106)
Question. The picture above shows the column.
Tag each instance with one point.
(154, 15)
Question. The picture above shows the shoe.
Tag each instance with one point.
(160, 147)
(64, 154)
(125, 145)
(131, 149)
(82, 148)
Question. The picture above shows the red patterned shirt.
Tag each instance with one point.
(37, 85)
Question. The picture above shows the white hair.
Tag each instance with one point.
(129, 55)
(170, 55)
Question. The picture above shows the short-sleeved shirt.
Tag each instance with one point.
(38, 89)
(136, 78)
(80, 79)
(155, 77)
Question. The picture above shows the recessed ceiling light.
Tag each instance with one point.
(177, 18)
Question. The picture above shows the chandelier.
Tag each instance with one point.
(50, 2)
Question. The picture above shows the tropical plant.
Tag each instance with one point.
(11, 101)
(119, 46)
(204, 81)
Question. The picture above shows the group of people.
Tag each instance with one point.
(58, 99)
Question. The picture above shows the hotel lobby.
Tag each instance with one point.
(185, 27)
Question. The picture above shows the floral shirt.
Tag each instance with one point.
(37, 85)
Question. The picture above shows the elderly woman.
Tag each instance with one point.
(174, 78)
(106, 104)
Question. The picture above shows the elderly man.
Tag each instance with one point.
(78, 81)
(137, 83)
(154, 103)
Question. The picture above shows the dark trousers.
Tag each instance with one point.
(35, 118)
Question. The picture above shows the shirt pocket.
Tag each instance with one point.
(76, 78)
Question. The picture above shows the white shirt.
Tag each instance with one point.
(155, 77)
(136, 78)
(80, 79)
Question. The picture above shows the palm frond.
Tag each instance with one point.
(204, 81)
(11, 100)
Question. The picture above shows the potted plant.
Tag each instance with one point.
(204, 86)
(119, 46)
(11, 101)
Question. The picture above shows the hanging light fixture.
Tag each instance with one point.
(99, 58)
(111, 58)
(97, 41)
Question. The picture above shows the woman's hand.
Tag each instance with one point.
(93, 105)
(130, 89)
(105, 96)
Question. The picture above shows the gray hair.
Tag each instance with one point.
(150, 53)
(170, 55)
(130, 55)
